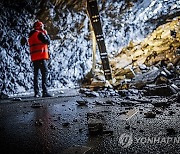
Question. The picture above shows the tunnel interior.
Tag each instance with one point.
(140, 37)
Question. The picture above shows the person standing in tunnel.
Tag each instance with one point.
(38, 42)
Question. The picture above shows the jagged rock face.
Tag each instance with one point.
(69, 61)
(160, 46)
(68, 26)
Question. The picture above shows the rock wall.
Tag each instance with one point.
(159, 48)
(68, 26)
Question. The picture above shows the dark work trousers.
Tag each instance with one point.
(42, 66)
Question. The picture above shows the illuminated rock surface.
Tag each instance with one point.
(68, 26)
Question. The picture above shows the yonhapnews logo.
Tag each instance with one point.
(126, 140)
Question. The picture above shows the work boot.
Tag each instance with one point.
(37, 95)
(46, 95)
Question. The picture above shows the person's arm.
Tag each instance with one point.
(31, 33)
(44, 38)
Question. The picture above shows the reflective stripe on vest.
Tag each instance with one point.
(38, 50)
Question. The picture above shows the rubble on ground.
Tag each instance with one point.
(36, 105)
(39, 122)
(150, 114)
(95, 123)
(143, 73)
(82, 102)
(151, 67)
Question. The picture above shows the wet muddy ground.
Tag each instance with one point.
(72, 123)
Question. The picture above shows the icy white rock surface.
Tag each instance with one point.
(70, 49)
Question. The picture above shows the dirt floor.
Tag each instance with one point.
(74, 123)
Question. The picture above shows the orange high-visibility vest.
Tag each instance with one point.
(38, 50)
